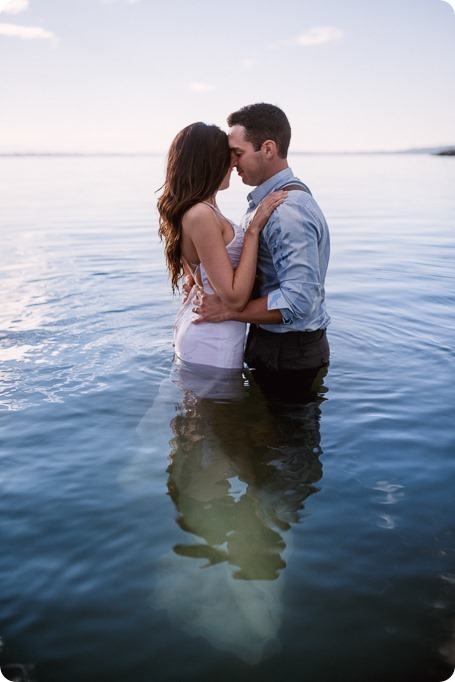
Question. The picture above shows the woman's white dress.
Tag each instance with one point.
(218, 344)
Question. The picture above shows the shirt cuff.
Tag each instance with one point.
(276, 301)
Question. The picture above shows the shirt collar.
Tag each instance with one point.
(261, 191)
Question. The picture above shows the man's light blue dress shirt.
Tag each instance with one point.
(294, 249)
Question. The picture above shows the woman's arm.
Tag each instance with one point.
(203, 228)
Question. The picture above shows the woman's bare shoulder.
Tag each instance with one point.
(198, 213)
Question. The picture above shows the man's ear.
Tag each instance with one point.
(269, 149)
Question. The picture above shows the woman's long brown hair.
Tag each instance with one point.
(198, 160)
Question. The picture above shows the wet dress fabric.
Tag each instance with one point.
(215, 345)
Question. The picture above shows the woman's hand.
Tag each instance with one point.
(188, 284)
(265, 209)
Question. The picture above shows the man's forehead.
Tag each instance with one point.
(236, 137)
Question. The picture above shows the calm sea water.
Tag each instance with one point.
(150, 536)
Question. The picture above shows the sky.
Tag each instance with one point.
(90, 76)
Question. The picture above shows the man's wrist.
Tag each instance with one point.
(234, 315)
(256, 312)
(228, 314)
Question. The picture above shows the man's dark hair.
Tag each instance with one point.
(263, 122)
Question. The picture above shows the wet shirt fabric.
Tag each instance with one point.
(294, 250)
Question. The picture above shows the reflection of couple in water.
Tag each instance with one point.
(239, 472)
(244, 452)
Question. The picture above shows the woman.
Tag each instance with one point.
(201, 242)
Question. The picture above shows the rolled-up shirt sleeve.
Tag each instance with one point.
(293, 237)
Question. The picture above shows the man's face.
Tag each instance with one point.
(250, 163)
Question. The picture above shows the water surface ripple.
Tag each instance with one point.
(151, 535)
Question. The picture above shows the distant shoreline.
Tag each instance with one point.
(446, 150)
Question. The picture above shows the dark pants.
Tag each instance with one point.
(286, 366)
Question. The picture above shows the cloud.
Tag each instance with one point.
(26, 32)
(195, 86)
(249, 64)
(319, 35)
(14, 6)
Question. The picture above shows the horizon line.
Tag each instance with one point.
(412, 150)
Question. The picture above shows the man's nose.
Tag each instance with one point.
(233, 160)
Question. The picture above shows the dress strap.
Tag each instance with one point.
(192, 267)
(215, 208)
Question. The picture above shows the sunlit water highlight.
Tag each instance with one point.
(151, 535)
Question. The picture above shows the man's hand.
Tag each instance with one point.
(210, 308)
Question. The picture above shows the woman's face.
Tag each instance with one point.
(227, 178)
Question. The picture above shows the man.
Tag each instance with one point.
(287, 344)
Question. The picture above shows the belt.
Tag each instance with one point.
(265, 332)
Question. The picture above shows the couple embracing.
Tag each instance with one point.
(269, 271)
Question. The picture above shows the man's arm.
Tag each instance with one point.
(293, 271)
(211, 308)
